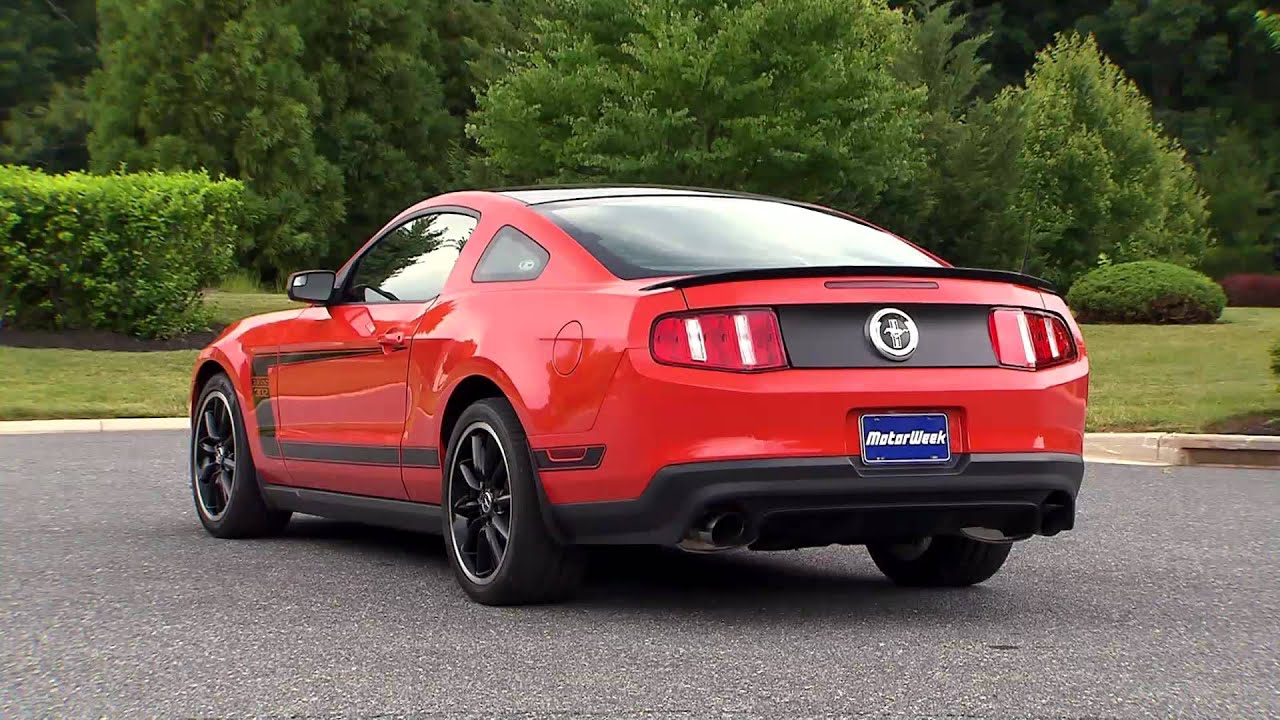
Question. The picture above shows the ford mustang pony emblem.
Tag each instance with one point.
(893, 333)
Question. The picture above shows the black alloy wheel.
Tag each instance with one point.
(214, 455)
(480, 503)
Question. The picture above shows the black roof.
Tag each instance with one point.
(539, 194)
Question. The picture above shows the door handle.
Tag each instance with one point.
(392, 341)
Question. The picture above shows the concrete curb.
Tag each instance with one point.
(1114, 448)
(1184, 449)
(40, 427)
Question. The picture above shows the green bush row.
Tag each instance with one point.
(1146, 291)
(123, 253)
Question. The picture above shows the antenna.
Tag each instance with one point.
(1026, 249)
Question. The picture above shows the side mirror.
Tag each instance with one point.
(312, 286)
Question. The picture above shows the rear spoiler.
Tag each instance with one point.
(715, 278)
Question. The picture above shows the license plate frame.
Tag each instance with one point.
(891, 454)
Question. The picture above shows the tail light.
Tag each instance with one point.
(1030, 339)
(743, 340)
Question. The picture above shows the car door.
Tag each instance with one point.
(342, 390)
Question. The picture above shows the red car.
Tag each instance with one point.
(532, 371)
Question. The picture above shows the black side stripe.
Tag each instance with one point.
(264, 413)
(420, 457)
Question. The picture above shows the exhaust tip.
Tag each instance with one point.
(721, 531)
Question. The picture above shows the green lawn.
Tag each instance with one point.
(1144, 377)
(1182, 377)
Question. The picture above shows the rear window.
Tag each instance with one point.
(643, 237)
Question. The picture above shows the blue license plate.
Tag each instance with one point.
(919, 438)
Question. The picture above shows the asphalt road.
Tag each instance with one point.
(114, 602)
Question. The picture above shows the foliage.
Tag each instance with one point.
(1252, 290)
(46, 50)
(1241, 204)
(959, 207)
(382, 117)
(794, 98)
(1269, 23)
(1096, 173)
(1146, 291)
(219, 85)
(124, 253)
(1275, 358)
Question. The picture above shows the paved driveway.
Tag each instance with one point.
(114, 602)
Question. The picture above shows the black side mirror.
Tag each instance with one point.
(312, 286)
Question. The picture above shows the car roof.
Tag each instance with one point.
(541, 194)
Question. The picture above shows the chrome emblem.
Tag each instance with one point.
(893, 333)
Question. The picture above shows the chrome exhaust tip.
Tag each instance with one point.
(719, 532)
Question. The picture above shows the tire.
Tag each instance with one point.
(532, 567)
(242, 512)
(942, 561)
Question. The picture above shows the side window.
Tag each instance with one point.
(511, 256)
(412, 262)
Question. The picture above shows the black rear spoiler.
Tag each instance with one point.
(715, 278)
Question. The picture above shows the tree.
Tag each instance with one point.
(47, 48)
(959, 208)
(1098, 176)
(795, 98)
(219, 85)
(382, 117)
(1269, 23)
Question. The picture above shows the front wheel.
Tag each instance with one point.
(224, 482)
(500, 550)
(942, 561)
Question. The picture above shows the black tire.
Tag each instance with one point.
(946, 561)
(245, 513)
(533, 567)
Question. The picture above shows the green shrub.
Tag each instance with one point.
(124, 253)
(1146, 291)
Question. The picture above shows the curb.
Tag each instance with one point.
(41, 427)
(1112, 448)
(1254, 451)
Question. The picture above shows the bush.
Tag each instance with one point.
(124, 253)
(1146, 291)
(1097, 173)
(795, 98)
(1252, 290)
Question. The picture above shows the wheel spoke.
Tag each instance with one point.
(211, 426)
(477, 453)
(209, 446)
(467, 507)
(204, 473)
(468, 476)
(499, 475)
(502, 503)
(228, 464)
(223, 484)
(495, 545)
(502, 525)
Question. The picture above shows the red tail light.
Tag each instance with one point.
(1030, 339)
(744, 340)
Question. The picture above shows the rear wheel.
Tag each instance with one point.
(501, 552)
(224, 482)
(942, 561)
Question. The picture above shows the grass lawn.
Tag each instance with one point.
(1144, 377)
(1182, 377)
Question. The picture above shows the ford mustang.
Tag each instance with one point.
(533, 371)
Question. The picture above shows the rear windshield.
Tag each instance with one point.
(656, 236)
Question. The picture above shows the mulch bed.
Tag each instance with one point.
(101, 340)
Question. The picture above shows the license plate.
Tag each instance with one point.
(916, 438)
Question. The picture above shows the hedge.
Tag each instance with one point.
(1275, 358)
(126, 253)
(1252, 290)
(1146, 291)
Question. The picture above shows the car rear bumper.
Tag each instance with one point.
(799, 502)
